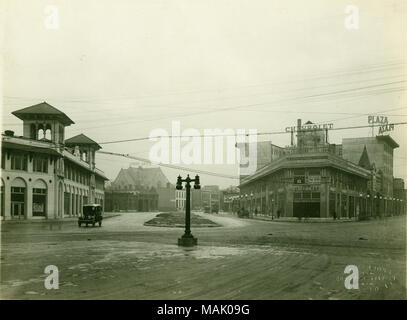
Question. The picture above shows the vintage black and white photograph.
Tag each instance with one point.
(203, 150)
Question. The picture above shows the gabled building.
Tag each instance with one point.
(141, 189)
(42, 174)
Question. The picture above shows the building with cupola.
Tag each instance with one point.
(313, 178)
(44, 175)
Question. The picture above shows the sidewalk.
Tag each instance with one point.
(303, 220)
(293, 219)
(106, 215)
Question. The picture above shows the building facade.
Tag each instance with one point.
(42, 174)
(399, 193)
(227, 199)
(180, 199)
(136, 200)
(379, 152)
(211, 198)
(314, 178)
(141, 189)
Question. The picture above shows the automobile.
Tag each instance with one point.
(91, 214)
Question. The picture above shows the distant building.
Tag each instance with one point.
(266, 153)
(142, 200)
(166, 197)
(210, 196)
(147, 177)
(379, 151)
(229, 199)
(399, 194)
(196, 199)
(42, 174)
(180, 198)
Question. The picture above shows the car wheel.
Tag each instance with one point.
(86, 225)
(79, 224)
(100, 223)
(93, 224)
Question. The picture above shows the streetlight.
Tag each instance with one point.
(252, 205)
(187, 239)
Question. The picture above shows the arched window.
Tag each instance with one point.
(40, 134)
(48, 133)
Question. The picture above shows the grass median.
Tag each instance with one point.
(177, 220)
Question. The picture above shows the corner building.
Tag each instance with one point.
(310, 179)
(44, 176)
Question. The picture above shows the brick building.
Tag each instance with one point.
(141, 189)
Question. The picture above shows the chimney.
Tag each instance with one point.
(298, 124)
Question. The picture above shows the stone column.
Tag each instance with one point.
(7, 201)
(70, 204)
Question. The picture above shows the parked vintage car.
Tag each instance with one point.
(92, 214)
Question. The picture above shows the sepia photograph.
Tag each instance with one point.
(216, 151)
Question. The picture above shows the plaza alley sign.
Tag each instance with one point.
(382, 121)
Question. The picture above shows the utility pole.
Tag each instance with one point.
(187, 239)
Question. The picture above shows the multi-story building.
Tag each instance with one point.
(42, 174)
(399, 194)
(380, 150)
(313, 179)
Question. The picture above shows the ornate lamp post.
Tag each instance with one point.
(188, 239)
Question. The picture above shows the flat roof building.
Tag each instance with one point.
(313, 178)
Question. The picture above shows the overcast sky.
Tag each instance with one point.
(120, 69)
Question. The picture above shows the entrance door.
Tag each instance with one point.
(306, 209)
(17, 210)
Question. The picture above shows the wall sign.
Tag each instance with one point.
(386, 128)
(306, 188)
(377, 120)
(310, 127)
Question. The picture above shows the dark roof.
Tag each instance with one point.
(389, 140)
(141, 177)
(364, 161)
(306, 161)
(81, 139)
(42, 110)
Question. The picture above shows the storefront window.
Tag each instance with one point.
(39, 202)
